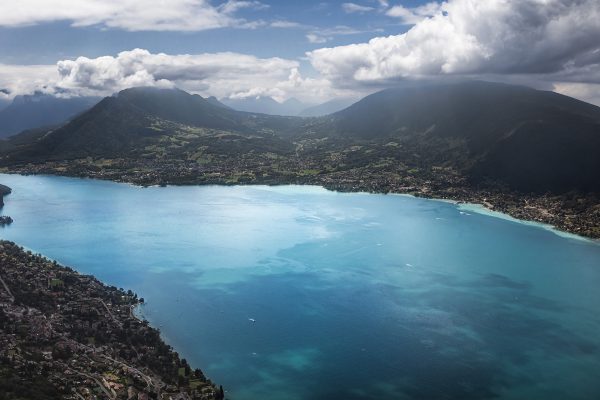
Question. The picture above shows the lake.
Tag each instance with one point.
(301, 293)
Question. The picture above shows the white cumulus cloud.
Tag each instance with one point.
(550, 44)
(25, 79)
(541, 38)
(224, 75)
(131, 15)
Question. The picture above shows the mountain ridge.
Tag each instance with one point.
(491, 118)
(528, 139)
(266, 105)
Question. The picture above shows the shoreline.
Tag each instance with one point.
(522, 208)
(71, 324)
(4, 219)
(190, 386)
(546, 211)
(483, 209)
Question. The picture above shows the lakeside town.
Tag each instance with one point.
(66, 335)
(573, 212)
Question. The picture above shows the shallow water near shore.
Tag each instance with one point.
(301, 293)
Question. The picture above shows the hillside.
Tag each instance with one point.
(137, 121)
(53, 347)
(38, 110)
(530, 139)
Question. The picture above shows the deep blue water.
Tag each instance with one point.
(353, 295)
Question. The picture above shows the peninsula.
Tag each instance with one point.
(4, 219)
(4, 191)
(64, 335)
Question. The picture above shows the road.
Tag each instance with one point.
(116, 321)
(10, 295)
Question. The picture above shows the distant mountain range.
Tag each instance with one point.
(529, 140)
(266, 105)
(291, 107)
(327, 108)
(38, 110)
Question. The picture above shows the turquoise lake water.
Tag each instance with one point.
(353, 296)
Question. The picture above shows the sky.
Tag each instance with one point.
(310, 50)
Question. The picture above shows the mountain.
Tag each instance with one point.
(530, 139)
(140, 122)
(292, 107)
(327, 108)
(266, 105)
(37, 110)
